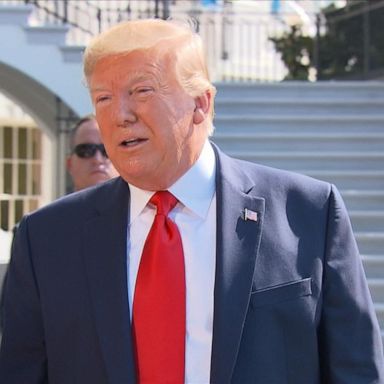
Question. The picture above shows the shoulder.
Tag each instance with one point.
(82, 204)
(271, 181)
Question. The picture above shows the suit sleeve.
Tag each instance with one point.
(22, 355)
(349, 334)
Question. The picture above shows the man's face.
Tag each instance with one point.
(89, 171)
(146, 119)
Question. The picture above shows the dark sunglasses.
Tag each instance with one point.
(88, 150)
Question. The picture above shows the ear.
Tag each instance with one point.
(202, 107)
(69, 164)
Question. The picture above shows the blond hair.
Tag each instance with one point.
(168, 36)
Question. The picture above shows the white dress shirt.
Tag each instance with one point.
(195, 216)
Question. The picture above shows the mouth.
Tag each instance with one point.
(99, 171)
(132, 142)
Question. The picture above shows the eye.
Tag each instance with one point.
(142, 92)
(102, 98)
(143, 89)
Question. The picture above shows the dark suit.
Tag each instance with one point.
(291, 305)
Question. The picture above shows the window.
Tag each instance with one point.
(20, 172)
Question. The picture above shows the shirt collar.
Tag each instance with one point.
(139, 200)
(198, 200)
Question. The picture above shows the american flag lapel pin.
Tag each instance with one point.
(250, 215)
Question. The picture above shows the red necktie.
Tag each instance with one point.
(159, 300)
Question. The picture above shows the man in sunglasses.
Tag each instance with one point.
(88, 163)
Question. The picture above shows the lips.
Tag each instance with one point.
(99, 170)
(132, 142)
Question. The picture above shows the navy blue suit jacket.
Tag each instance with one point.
(291, 304)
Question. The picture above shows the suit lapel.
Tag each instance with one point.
(237, 247)
(105, 263)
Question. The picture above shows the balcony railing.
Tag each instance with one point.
(356, 36)
(238, 44)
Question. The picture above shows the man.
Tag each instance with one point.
(88, 163)
(192, 267)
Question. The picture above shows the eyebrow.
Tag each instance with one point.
(135, 78)
(97, 89)
(132, 81)
(139, 76)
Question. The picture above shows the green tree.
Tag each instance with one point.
(351, 46)
(296, 52)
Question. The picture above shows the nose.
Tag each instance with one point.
(99, 158)
(124, 112)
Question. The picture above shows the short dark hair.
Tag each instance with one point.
(76, 127)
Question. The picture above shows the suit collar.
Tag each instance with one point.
(105, 265)
(237, 248)
(201, 174)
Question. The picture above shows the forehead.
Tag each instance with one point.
(88, 132)
(133, 66)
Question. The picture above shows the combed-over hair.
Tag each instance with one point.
(168, 36)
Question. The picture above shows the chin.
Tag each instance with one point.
(99, 180)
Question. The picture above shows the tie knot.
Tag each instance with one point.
(164, 202)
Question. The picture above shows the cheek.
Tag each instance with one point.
(79, 169)
(75, 165)
(105, 131)
(103, 115)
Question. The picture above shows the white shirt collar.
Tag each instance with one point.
(197, 199)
